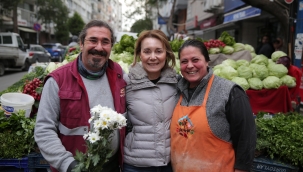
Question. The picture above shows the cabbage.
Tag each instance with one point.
(277, 54)
(255, 83)
(126, 57)
(272, 82)
(228, 72)
(219, 66)
(278, 70)
(50, 67)
(217, 72)
(230, 62)
(260, 59)
(239, 47)
(244, 72)
(270, 61)
(249, 48)
(214, 51)
(259, 71)
(242, 63)
(242, 82)
(289, 81)
(253, 55)
(228, 50)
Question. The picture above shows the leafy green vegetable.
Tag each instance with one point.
(228, 50)
(277, 54)
(255, 83)
(272, 82)
(238, 47)
(230, 62)
(228, 72)
(242, 62)
(227, 39)
(281, 137)
(260, 59)
(242, 82)
(259, 71)
(249, 48)
(289, 81)
(16, 135)
(214, 50)
(244, 72)
(278, 70)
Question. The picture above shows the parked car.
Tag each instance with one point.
(56, 51)
(38, 54)
(12, 52)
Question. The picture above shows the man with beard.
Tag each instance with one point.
(71, 91)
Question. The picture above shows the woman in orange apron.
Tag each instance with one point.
(212, 128)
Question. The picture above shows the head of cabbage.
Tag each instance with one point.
(255, 83)
(277, 70)
(244, 72)
(259, 71)
(228, 72)
(272, 82)
(277, 54)
(230, 62)
(242, 82)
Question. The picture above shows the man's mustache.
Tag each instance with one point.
(96, 52)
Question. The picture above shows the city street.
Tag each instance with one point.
(9, 78)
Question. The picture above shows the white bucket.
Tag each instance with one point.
(12, 102)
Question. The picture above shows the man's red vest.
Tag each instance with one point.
(74, 102)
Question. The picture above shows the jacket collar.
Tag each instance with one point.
(138, 77)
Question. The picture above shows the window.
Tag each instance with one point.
(0, 39)
(20, 43)
(7, 40)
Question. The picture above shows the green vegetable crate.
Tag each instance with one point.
(263, 164)
(34, 162)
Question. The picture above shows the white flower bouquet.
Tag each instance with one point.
(104, 121)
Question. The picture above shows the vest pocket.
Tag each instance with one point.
(70, 104)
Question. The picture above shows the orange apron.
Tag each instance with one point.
(194, 148)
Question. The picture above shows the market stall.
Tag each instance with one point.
(270, 100)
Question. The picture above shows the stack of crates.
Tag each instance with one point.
(14, 165)
(36, 161)
(263, 164)
(33, 162)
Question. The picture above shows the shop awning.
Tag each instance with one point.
(218, 27)
(26, 29)
(243, 13)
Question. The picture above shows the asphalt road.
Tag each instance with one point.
(9, 78)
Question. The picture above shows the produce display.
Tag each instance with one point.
(257, 74)
(280, 136)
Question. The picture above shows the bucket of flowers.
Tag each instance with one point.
(104, 121)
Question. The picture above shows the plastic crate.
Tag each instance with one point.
(20, 164)
(263, 164)
(36, 160)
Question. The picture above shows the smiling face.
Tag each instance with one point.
(153, 56)
(193, 65)
(96, 48)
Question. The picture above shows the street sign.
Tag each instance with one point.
(37, 27)
(289, 1)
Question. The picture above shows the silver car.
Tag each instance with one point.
(37, 53)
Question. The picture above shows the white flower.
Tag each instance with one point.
(91, 119)
(93, 137)
(104, 124)
(97, 124)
